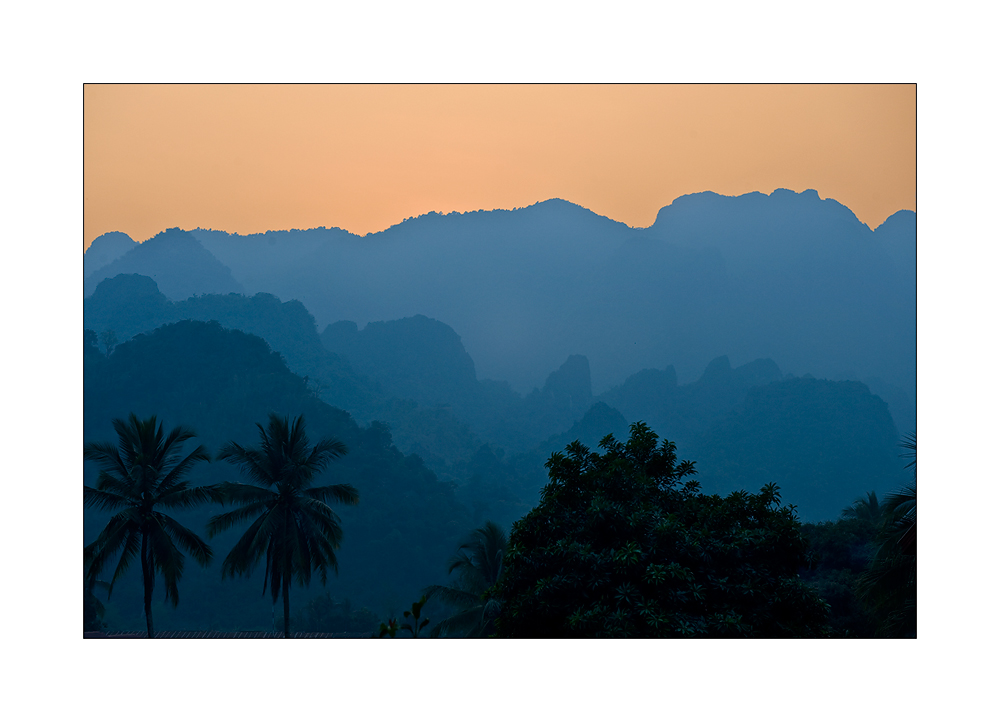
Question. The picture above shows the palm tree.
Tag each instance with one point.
(293, 527)
(889, 586)
(141, 475)
(478, 561)
(865, 508)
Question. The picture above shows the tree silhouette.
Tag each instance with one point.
(478, 561)
(622, 544)
(866, 508)
(889, 586)
(293, 527)
(141, 475)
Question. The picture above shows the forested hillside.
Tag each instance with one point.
(221, 383)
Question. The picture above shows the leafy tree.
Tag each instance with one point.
(889, 586)
(143, 474)
(293, 527)
(621, 545)
(478, 562)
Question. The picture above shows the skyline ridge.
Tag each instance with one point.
(442, 214)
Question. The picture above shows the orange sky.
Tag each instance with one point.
(249, 158)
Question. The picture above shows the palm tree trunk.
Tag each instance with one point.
(147, 586)
(286, 578)
(286, 572)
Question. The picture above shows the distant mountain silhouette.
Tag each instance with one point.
(178, 263)
(683, 413)
(104, 249)
(415, 375)
(898, 235)
(597, 422)
(821, 441)
(785, 275)
(415, 358)
(129, 304)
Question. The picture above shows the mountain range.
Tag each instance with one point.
(786, 275)
(491, 443)
(771, 337)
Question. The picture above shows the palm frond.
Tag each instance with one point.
(452, 596)
(122, 486)
(322, 520)
(253, 464)
(106, 457)
(902, 503)
(479, 558)
(184, 497)
(130, 549)
(104, 500)
(909, 443)
(343, 493)
(865, 507)
(183, 467)
(325, 451)
(321, 533)
(236, 493)
(111, 539)
(254, 543)
(221, 522)
(193, 544)
(467, 621)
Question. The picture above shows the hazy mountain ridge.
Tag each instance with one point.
(179, 264)
(784, 275)
(492, 443)
(129, 304)
(106, 248)
(819, 440)
(786, 272)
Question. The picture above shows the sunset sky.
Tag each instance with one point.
(251, 158)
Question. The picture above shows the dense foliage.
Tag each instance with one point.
(623, 544)
(839, 553)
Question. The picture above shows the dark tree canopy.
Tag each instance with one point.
(624, 544)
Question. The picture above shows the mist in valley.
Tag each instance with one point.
(463, 360)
